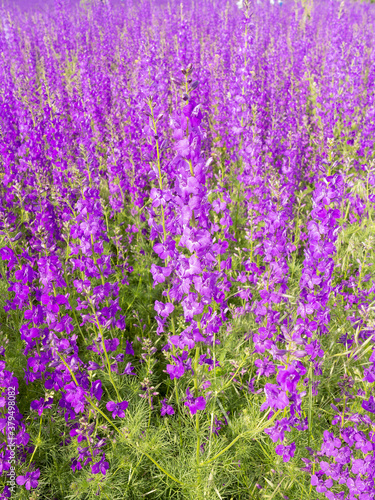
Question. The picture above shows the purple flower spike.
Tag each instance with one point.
(117, 409)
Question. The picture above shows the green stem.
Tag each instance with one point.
(196, 395)
(238, 437)
(178, 410)
(159, 170)
(310, 406)
(106, 355)
(37, 443)
(222, 451)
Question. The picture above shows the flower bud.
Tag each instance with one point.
(177, 81)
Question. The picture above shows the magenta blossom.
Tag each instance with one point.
(194, 404)
(166, 409)
(276, 398)
(287, 452)
(117, 409)
(101, 466)
(30, 479)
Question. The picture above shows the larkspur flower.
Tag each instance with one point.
(29, 480)
(166, 409)
(117, 409)
(194, 404)
(275, 398)
(101, 466)
(287, 452)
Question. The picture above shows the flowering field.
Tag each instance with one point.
(186, 247)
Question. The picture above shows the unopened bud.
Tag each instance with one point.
(177, 81)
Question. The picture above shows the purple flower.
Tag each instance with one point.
(164, 310)
(183, 148)
(321, 486)
(41, 405)
(343, 455)
(6, 493)
(191, 306)
(358, 466)
(261, 340)
(194, 404)
(330, 444)
(265, 367)
(287, 452)
(369, 405)
(276, 398)
(30, 480)
(177, 371)
(288, 379)
(75, 465)
(117, 409)
(277, 432)
(314, 349)
(166, 409)
(165, 249)
(111, 344)
(96, 389)
(101, 466)
(305, 309)
(160, 273)
(347, 434)
(129, 369)
(250, 384)
(22, 437)
(75, 396)
(199, 404)
(4, 461)
(217, 425)
(92, 366)
(129, 348)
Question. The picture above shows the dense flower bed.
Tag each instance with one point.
(187, 239)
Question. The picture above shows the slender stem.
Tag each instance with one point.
(38, 441)
(106, 355)
(159, 170)
(238, 437)
(197, 415)
(222, 451)
(178, 410)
